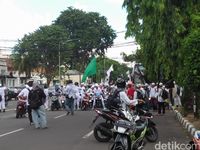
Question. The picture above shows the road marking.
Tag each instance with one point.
(10, 109)
(1, 135)
(60, 116)
(88, 135)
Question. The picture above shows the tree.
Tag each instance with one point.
(104, 63)
(43, 49)
(159, 28)
(91, 33)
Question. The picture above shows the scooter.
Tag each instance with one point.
(103, 130)
(129, 135)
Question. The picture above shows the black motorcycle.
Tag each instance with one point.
(55, 104)
(103, 130)
(129, 135)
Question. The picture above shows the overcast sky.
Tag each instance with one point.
(19, 17)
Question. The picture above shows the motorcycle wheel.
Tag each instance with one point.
(117, 146)
(99, 136)
(152, 134)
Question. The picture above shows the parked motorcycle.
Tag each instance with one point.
(103, 130)
(152, 132)
(130, 135)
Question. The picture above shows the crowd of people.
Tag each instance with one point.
(78, 95)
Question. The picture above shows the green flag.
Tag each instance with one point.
(90, 70)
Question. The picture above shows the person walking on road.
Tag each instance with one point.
(161, 102)
(2, 98)
(38, 113)
(70, 92)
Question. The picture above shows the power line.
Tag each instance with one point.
(8, 40)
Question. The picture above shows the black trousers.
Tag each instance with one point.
(29, 114)
(161, 107)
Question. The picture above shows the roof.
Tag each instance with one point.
(72, 72)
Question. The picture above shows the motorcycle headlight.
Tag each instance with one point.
(121, 129)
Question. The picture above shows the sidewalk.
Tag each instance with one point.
(185, 123)
(171, 132)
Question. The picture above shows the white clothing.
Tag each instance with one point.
(71, 91)
(160, 99)
(2, 93)
(152, 92)
(25, 93)
(46, 104)
(126, 101)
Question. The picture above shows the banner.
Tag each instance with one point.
(90, 70)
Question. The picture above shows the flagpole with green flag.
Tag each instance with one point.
(90, 70)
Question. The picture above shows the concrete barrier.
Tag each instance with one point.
(185, 123)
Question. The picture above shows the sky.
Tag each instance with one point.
(20, 17)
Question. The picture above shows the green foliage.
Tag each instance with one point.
(104, 63)
(73, 38)
(92, 32)
(168, 32)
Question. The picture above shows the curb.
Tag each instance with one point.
(185, 123)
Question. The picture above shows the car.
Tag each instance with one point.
(12, 92)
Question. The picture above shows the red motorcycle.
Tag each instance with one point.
(21, 109)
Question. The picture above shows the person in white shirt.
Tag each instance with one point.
(161, 102)
(125, 101)
(2, 99)
(98, 94)
(153, 96)
(46, 91)
(71, 93)
(23, 96)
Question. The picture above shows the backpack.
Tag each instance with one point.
(164, 94)
(34, 99)
(113, 100)
(178, 90)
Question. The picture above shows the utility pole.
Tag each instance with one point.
(59, 62)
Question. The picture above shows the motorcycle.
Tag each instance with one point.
(152, 132)
(103, 130)
(21, 109)
(130, 135)
(54, 102)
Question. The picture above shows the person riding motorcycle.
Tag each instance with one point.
(125, 101)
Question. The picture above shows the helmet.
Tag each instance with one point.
(121, 83)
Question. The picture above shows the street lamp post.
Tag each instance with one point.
(59, 71)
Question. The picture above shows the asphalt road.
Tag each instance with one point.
(73, 132)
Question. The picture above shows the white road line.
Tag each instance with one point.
(88, 135)
(1, 135)
(60, 116)
(10, 109)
